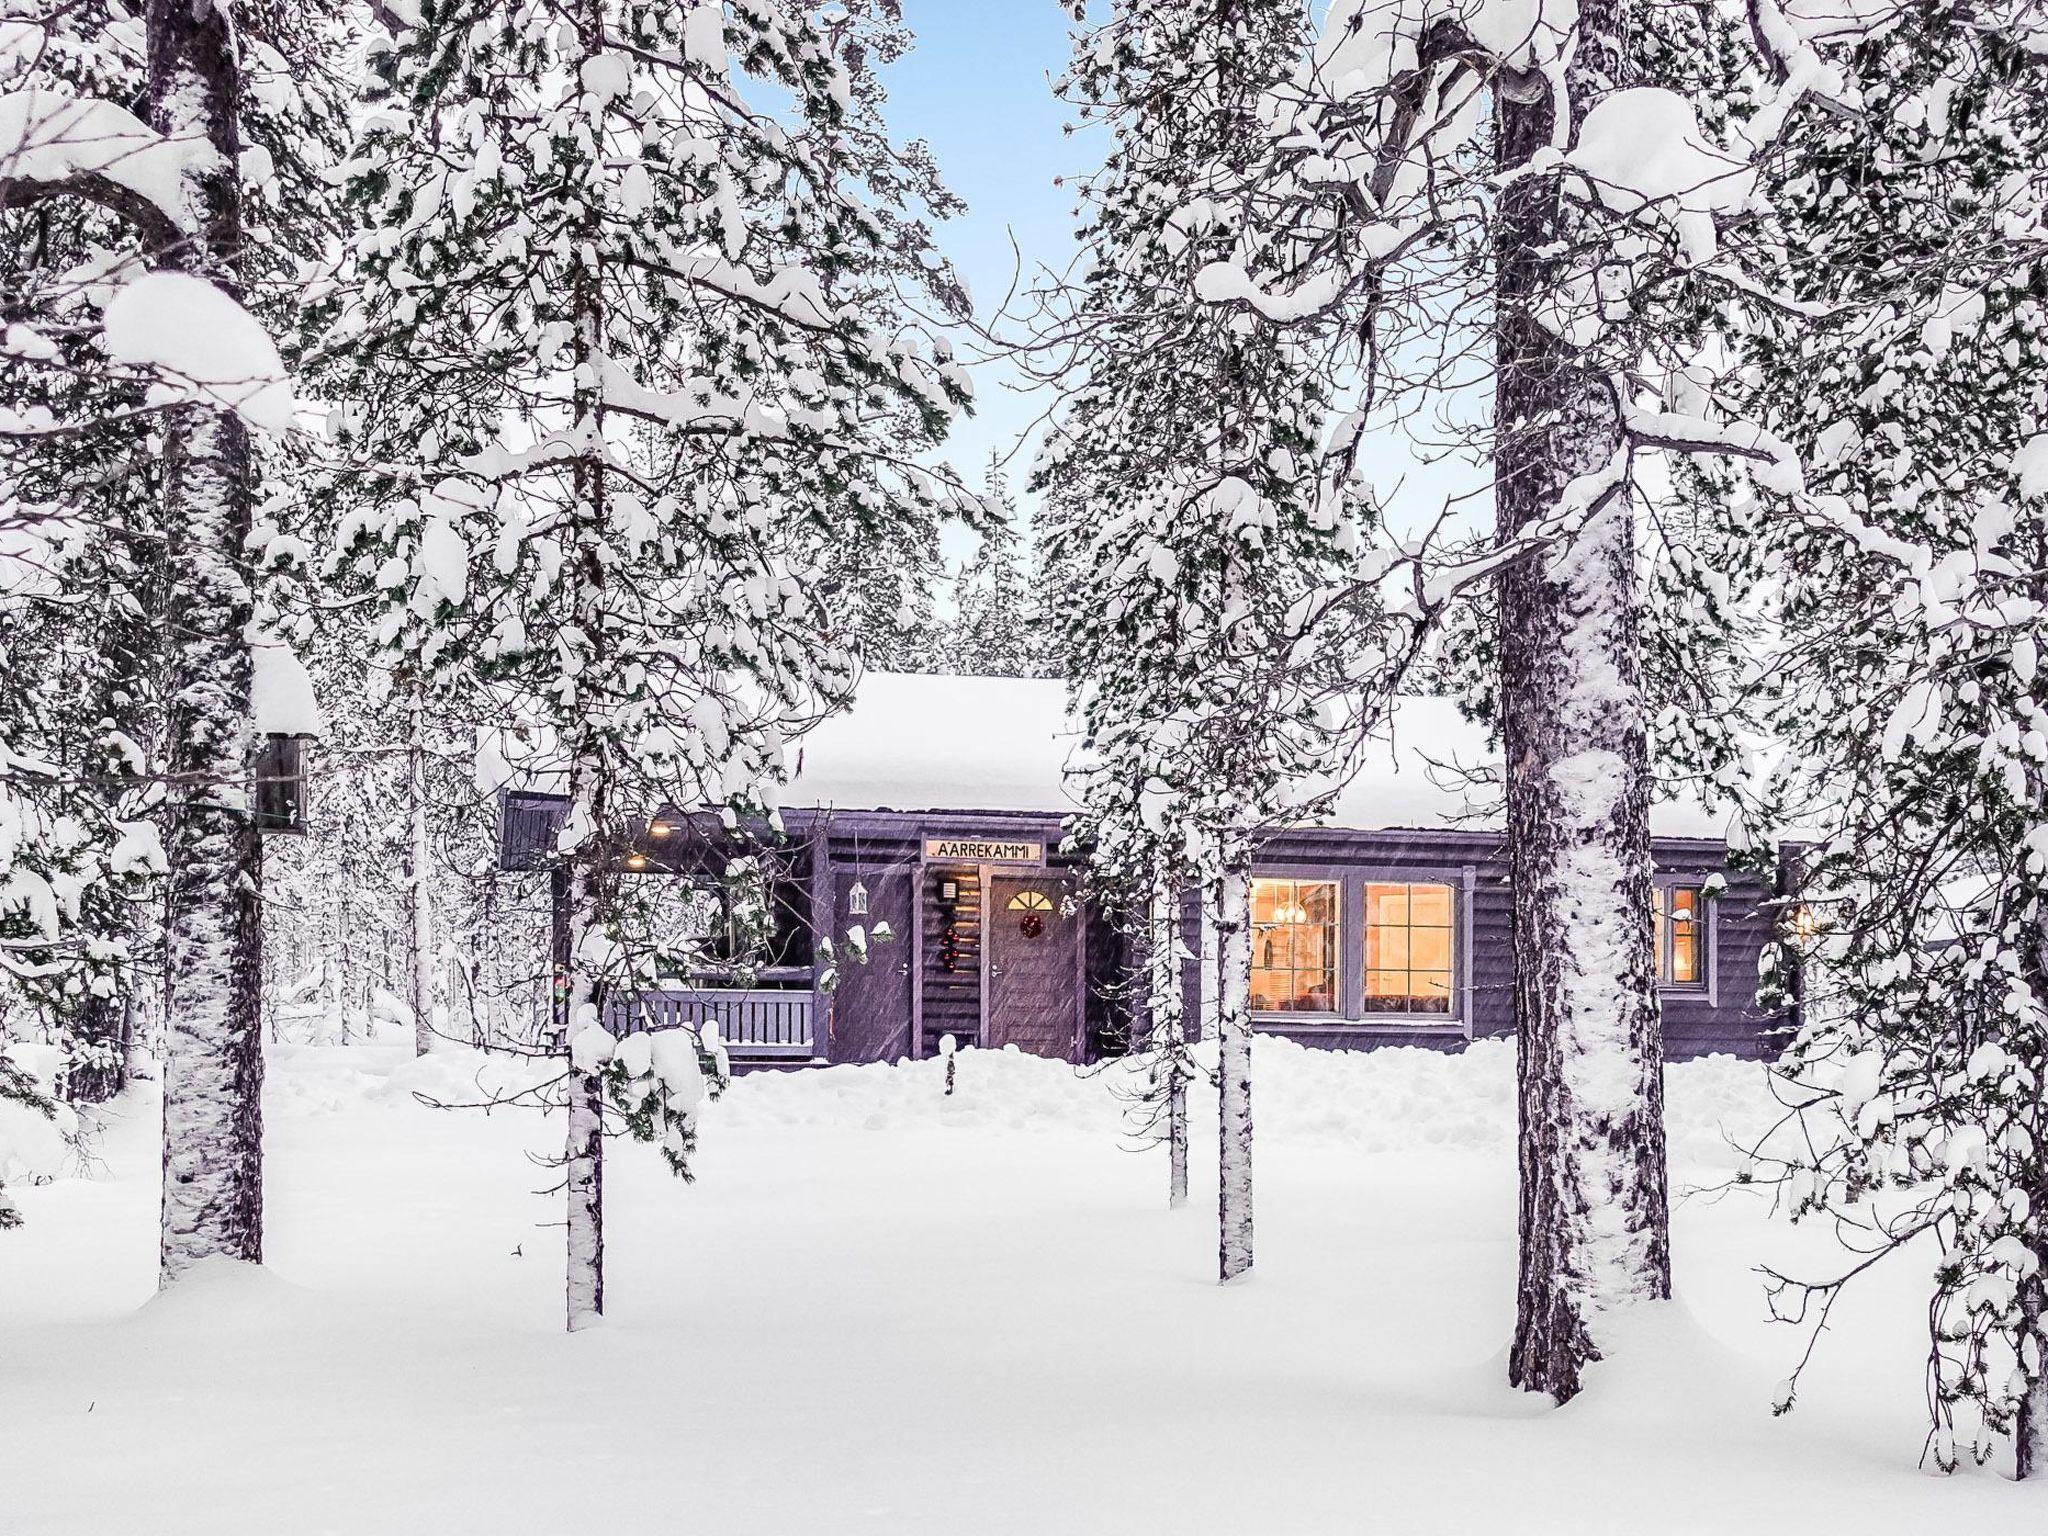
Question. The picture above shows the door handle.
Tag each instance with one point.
(903, 969)
(995, 970)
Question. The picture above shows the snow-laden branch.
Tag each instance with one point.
(202, 346)
(52, 145)
(1681, 432)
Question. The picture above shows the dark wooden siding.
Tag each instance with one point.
(952, 999)
(1723, 1017)
(867, 850)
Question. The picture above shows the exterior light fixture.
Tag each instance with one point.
(636, 861)
(857, 898)
(659, 828)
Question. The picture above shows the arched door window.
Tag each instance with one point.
(1031, 907)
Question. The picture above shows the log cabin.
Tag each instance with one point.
(932, 811)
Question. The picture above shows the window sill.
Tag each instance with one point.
(1330, 1024)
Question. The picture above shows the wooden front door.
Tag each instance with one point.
(870, 1008)
(1034, 968)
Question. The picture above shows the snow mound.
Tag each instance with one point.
(1392, 1101)
(1399, 1101)
(332, 1079)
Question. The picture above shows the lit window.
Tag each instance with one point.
(1409, 947)
(1294, 946)
(1030, 901)
(1676, 911)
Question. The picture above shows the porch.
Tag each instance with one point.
(756, 1024)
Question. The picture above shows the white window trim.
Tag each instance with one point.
(1351, 882)
(1708, 987)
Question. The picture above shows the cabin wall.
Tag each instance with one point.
(952, 997)
(907, 995)
(1721, 1018)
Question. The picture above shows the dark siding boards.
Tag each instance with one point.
(952, 998)
(1722, 1017)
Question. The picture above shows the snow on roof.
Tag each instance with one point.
(920, 742)
(281, 692)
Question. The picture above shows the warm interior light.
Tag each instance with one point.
(659, 828)
(636, 861)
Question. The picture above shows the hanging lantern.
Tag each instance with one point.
(857, 898)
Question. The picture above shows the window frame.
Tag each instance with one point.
(1338, 924)
(1662, 931)
(1452, 1016)
(1351, 881)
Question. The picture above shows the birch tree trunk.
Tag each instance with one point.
(1167, 1004)
(1230, 899)
(1594, 1217)
(584, 1160)
(589, 781)
(213, 1074)
(419, 900)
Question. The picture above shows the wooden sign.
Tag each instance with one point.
(973, 850)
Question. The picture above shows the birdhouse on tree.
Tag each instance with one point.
(286, 716)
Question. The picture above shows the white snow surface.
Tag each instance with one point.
(929, 742)
(203, 345)
(886, 1312)
(281, 691)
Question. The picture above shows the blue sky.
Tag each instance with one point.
(978, 86)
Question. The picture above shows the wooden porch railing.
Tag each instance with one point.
(753, 1022)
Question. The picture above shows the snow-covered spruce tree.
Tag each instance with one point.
(1487, 186)
(626, 360)
(1185, 524)
(1908, 589)
(998, 627)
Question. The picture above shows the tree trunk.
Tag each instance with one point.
(213, 1074)
(584, 1163)
(1167, 1005)
(2030, 1435)
(1230, 899)
(419, 901)
(1594, 1217)
(590, 769)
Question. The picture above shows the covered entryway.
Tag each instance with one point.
(1033, 992)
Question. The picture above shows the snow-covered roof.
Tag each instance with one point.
(281, 692)
(919, 742)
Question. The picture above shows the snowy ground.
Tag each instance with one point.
(885, 1311)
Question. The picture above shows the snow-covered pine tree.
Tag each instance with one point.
(1908, 693)
(1185, 524)
(884, 599)
(1487, 188)
(998, 627)
(171, 191)
(626, 360)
